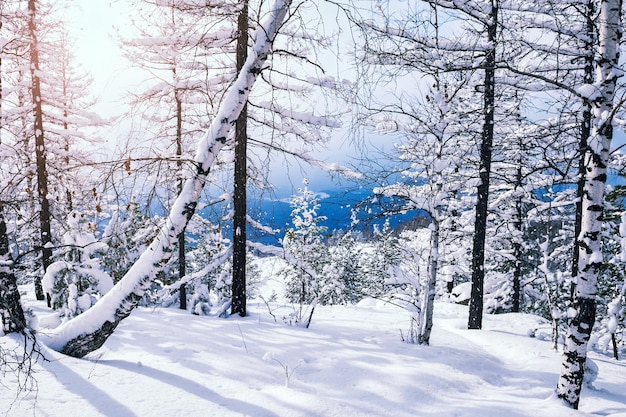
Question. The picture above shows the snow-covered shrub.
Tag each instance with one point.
(381, 262)
(211, 276)
(77, 281)
(127, 234)
(343, 282)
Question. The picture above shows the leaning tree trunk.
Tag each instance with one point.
(475, 320)
(90, 330)
(590, 256)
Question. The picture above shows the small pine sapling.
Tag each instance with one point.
(269, 357)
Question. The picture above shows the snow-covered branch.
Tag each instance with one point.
(91, 329)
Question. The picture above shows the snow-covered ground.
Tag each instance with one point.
(351, 362)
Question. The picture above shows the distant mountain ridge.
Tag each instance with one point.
(353, 208)
(357, 209)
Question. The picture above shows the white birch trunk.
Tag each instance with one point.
(590, 257)
(426, 323)
(91, 329)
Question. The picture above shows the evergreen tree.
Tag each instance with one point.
(345, 266)
(210, 277)
(125, 237)
(77, 282)
(306, 255)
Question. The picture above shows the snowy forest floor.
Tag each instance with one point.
(351, 362)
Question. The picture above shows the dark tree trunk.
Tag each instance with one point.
(239, 193)
(40, 153)
(517, 255)
(517, 241)
(68, 191)
(182, 270)
(182, 257)
(480, 227)
(13, 320)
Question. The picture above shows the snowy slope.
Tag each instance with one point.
(351, 362)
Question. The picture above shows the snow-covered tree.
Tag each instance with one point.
(11, 311)
(91, 329)
(126, 236)
(240, 178)
(394, 270)
(46, 114)
(306, 255)
(211, 282)
(602, 94)
(610, 333)
(290, 114)
(77, 281)
(382, 261)
(345, 265)
(40, 146)
(187, 72)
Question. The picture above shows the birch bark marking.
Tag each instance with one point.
(90, 330)
(606, 65)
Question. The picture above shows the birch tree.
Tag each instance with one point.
(91, 329)
(601, 94)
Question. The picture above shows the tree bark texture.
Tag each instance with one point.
(182, 256)
(607, 70)
(431, 286)
(585, 132)
(240, 180)
(517, 245)
(40, 152)
(88, 331)
(13, 320)
(475, 320)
